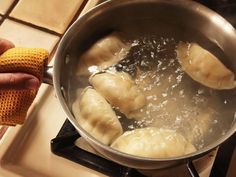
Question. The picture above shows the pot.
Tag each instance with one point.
(180, 19)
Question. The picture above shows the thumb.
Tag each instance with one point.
(18, 81)
(5, 45)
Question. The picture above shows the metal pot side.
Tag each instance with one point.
(181, 19)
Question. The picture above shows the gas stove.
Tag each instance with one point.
(68, 144)
(48, 145)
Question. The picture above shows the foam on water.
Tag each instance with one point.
(174, 100)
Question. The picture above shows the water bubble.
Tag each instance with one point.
(164, 94)
(152, 54)
(135, 43)
(181, 93)
(131, 127)
(149, 97)
(200, 91)
(215, 121)
(164, 68)
(173, 86)
(179, 78)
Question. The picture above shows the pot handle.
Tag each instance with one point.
(48, 75)
(191, 169)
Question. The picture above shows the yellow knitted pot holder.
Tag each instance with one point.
(15, 103)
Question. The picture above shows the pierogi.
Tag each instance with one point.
(104, 53)
(203, 67)
(153, 143)
(120, 91)
(96, 116)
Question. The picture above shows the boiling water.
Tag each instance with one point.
(174, 100)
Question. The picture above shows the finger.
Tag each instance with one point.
(18, 81)
(5, 45)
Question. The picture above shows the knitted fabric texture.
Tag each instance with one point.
(15, 103)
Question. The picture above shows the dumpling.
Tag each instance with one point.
(204, 67)
(199, 127)
(96, 116)
(104, 53)
(153, 143)
(120, 91)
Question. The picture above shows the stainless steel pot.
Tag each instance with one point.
(181, 19)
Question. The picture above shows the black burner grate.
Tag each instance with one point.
(63, 145)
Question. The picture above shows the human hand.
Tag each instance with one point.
(16, 80)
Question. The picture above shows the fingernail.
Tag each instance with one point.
(32, 84)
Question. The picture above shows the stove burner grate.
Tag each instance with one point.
(63, 145)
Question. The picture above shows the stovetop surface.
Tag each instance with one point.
(64, 145)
